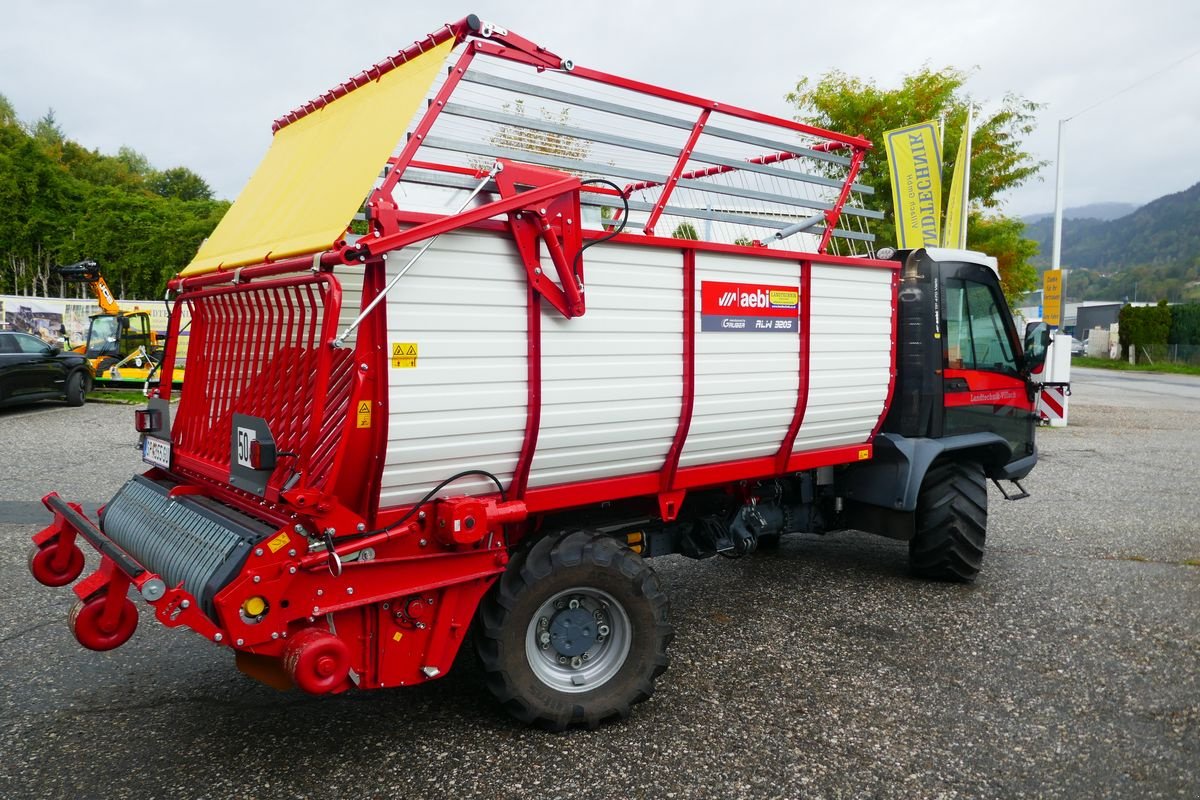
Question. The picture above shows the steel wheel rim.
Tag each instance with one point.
(593, 666)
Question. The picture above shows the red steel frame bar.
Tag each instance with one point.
(688, 402)
(673, 178)
(834, 214)
(513, 53)
(384, 192)
(708, 172)
(783, 456)
(533, 408)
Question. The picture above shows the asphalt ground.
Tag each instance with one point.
(1070, 669)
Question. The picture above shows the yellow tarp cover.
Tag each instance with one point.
(318, 170)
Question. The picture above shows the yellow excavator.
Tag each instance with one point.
(122, 346)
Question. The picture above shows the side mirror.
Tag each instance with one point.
(1037, 340)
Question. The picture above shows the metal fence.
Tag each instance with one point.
(1169, 353)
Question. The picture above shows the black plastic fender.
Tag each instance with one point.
(892, 478)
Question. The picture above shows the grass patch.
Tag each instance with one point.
(1125, 366)
(130, 397)
(1192, 562)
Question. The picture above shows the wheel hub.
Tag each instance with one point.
(578, 639)
(572, 632)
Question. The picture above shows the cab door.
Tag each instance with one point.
(984, 388)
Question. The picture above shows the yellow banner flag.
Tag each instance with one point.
(957, 202)
(914, 157)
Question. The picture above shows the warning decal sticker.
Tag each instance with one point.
(404, 355)
(364, 413)
(743, 307)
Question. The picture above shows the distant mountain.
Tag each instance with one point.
(1163, 232)
(1101, 211)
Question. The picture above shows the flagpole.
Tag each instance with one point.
(965, 152)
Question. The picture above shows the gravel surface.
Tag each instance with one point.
(1070, 669)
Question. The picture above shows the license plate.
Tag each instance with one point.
(156, 452)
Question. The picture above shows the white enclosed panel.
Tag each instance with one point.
(463, 405)
(850, 355)
(746, 380)
(612, 380)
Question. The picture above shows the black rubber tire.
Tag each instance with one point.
(553, 564)
(951, 523)
(76, 391)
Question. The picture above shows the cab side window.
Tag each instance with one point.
(975, 333)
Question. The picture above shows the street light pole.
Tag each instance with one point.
(1056, 246)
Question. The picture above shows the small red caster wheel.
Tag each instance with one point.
(51, 565)
(94, 631)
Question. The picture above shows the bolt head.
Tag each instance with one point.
(186, 604)
(349, 590)
(217, 637)
(258, 551)
(241, 642)
(258, 579)
(298, 528)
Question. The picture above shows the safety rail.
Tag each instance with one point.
(687, 167)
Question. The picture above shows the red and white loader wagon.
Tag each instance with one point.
(578, 321)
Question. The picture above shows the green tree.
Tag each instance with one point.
(60, 202)
(685, 230)
(180, 183)
(844, 103)
(1003, 237)
(1185, 324)
(1145, 326)
(47, 131)
(8, 114)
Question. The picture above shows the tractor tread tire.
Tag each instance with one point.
(951, 524)
(532, 576)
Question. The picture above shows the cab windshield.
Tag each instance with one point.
(103, 337)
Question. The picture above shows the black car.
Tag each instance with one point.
(32, 370)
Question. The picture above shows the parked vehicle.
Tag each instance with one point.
(31, 370)
(388, 440)
(121, 346)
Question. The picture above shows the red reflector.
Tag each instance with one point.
(147, 420)
(262, 456)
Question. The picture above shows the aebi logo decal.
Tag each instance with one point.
(748, 307)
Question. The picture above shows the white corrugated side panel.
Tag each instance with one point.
(850, 346)
(612, 380)
(463, 406)
(351, 280)
(746, 382)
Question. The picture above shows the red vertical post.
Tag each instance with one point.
(834, 214)
(673, 178)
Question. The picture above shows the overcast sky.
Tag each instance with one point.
(199, 83)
